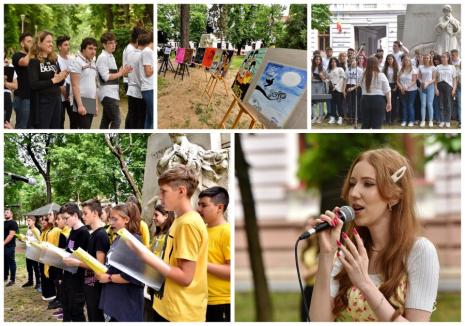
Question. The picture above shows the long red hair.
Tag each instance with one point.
(403, 228)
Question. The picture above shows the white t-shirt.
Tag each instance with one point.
(105, 62)
(354, 75)
(398, 57)
(390, 75)
(129, 48)
(146, 59)
(426, 73)
(65, 65)
(446, 73)
(423, 276)
(134, 80)
(325, 62)
(379, 85)
(337, 76)
(406, 79)
(87, 71)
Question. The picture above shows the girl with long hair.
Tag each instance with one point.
(384, 271)
(353, 92)
(407, 83)
(391, 70)
(336, 77)
(427, 76)
(318, 87)
(446, 86)
(122, 297)
(376, 96)
(45, 78)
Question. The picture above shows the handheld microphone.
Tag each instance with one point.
(345, 214)
(16, 177)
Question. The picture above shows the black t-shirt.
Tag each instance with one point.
(10, 225)
(40, 78)
(98, 241)
(77, 239)
(24, 90)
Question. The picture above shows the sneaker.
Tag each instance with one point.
(48, 299)
(422, 124)
(59, 317)
(403, 124)
(37, 286)
(39, 289)
(10, 283)
(441, 125)
(431, 124)
(447, 124)
(410, 124)
(58, 312)
(27, 284)
(339, 121)
(332, 120)
(54, 304)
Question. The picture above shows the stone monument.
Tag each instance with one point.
(206, 154)
(432, 28)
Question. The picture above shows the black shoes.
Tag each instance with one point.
(27, 284)
(55, 304)
(10, 283)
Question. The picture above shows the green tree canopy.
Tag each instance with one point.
(321, 17)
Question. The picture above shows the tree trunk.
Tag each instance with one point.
(263, 306)
(118, 153)
(148, 15)
(185, 26)
(109, 16)
(44, 173)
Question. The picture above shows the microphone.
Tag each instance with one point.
(345, 214)
(16, 177)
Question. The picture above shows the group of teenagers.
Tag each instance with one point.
(424, 90)
(194, 247)
(44, 85)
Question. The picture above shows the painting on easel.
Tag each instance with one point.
(188, 56)
(224, 64)
(208, 57)
(180, 55)
(247, 71)
(199, 53)
(278, 91)
(216, 60)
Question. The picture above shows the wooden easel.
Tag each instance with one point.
(165, 65)
(242, 110)
(180, 69)
(211, 84)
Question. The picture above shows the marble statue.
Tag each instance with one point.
(448, 31)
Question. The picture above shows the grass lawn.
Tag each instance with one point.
(286, 307)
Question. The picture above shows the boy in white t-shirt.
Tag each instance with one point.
(64, 61)
(146, 74)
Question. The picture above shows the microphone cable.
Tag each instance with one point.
(306, 307)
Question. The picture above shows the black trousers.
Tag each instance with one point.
(136, 113)
(32, 268)
(48, 287)
(73, 300)
(111, 116)
(84, 121)
(219, 312)
(49, 113)
(308, 290)
(149, 312)
(92, 295)
(8, 106)
(373, 108)
(157, 317)
(393, 116)
(9, 263)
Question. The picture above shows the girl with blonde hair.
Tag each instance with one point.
(384, 271)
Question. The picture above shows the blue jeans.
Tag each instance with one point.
(408, 105)
(458, 96)
(22, 108)
(9, 263)
(427, 98)
(148, 99)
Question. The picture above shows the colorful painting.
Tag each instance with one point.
(224, 64)
(199, 53)
(247, 71)
(180, 55)
(208, 57)
(278, 91)
(216, 60)
(188, 56)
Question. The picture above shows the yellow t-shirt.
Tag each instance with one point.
(144, 234)
(51, 236)
(219, 290)
(156, 246)
(188, 239)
